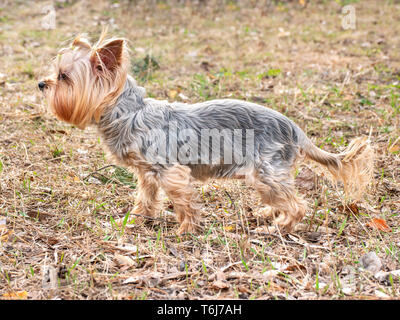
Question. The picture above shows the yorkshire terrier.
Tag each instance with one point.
(168, 145)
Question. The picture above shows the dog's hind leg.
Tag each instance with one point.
(279, 193)
(176, 182)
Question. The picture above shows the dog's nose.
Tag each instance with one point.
(41, 85)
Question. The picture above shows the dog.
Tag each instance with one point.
(169, 145)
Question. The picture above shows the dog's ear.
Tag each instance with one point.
(81, 42)
(108, 56)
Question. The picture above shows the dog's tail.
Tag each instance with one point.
(353, 167)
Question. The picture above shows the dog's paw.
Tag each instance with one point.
(266, 212)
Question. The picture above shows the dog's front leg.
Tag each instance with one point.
(176, 182)
(147, 201)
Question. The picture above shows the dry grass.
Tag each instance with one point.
(65, 229)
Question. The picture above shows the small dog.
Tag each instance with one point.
(168, 145)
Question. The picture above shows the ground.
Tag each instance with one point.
(65, 226)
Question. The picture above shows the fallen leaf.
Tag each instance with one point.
(243, 289)
(133, 279)
(229, 228)
(380, 224)
(220, 285)
(211, 76)
(349, 208)
(295, 267)
(172, 94)
(220, 282)
(128, 248)
(353, 208)
(123, 260)
(5, 234)
(394, 148)
(16, 295)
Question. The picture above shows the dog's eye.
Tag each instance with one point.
(62, 76)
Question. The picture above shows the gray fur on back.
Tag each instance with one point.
(137, 124)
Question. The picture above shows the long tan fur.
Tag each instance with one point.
(353, 167)
(98, 73)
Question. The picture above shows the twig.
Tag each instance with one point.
(96, 171)
(153, 218)
(230, 198)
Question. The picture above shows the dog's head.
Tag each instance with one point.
(86, 79)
